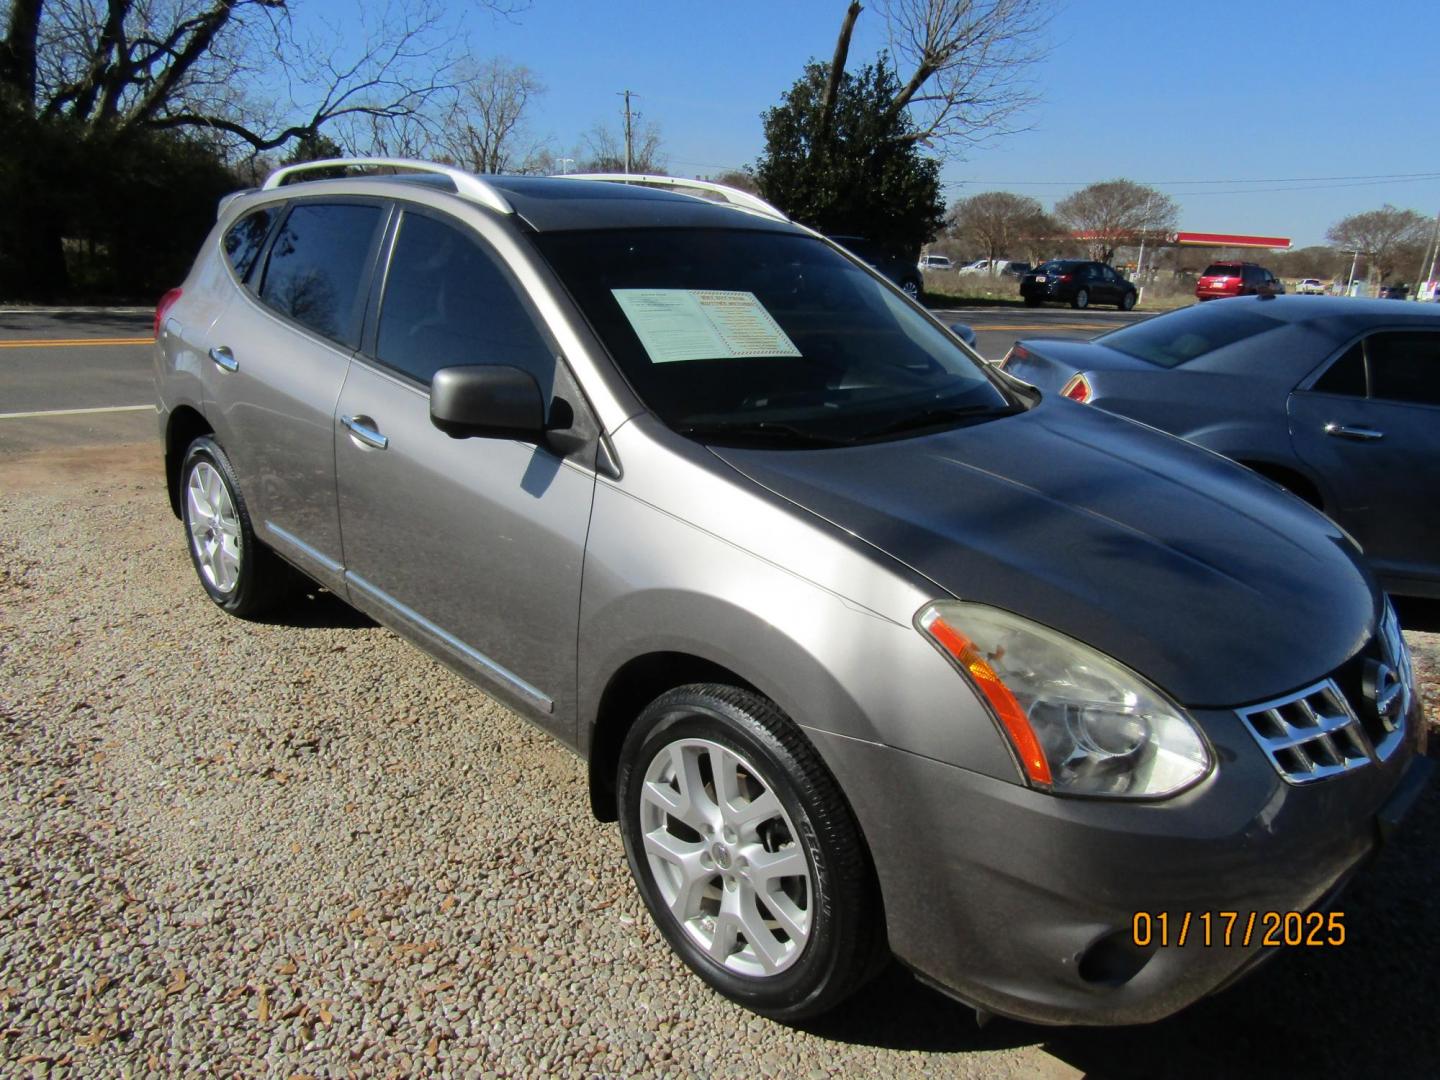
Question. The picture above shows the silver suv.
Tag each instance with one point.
(872, 649)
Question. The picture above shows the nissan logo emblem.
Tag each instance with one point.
(1384, 691)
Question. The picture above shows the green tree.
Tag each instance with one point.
(864, 176)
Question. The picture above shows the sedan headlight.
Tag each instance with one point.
(1080, 723)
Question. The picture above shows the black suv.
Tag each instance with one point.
(897, 265)
(1077, 283)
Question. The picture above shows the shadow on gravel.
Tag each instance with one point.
(1363, 1009)
(1418, 613)
(318, 609)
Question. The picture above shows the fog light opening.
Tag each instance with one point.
(1114, 959)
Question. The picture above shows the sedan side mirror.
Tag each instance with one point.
(963, 332)
(490, 401)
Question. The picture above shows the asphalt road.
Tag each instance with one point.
(996, 329)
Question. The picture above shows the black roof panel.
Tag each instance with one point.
(554, 204)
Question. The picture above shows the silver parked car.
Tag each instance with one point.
(872, 649)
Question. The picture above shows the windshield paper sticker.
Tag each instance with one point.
(702, 324)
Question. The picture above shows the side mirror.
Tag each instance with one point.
(490, 401)
(964, 333)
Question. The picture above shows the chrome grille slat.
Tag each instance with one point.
(1312, 734)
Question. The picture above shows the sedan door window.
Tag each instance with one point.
(1405, 367)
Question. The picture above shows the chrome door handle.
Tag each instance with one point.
(224, 358)
(360, 427)
(1358, 434)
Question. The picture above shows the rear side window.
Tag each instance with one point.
(1172, 340)
(1346, 375)
(449, 302)
(246, 237)
(317, 265)
(1405, 366)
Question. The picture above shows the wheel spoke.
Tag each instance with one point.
(725, 768)
(756, 812)
(769, 951)
(722, 941)
(686, 762)
(792, 919)
(772, 865)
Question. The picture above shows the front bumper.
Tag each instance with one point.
(1003, 896)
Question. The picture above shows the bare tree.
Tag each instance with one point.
(961, 66)
(742, 179)
(244, 72)
(606, 150)
(1001, 224)
(484, 130)
(1388, 236)
(1115, 212)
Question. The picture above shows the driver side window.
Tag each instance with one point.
(448, 302)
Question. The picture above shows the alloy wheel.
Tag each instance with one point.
(726, 857)
(214, 527)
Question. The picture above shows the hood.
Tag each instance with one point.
(1194, 572)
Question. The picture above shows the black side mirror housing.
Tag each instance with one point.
(488, 401)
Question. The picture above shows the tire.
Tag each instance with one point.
(1032, 301)
(1081, 299)
(824, 935)
(240, 574)
(911, 288)
(1127, 302)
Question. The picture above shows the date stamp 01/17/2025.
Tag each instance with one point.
(1268, 929)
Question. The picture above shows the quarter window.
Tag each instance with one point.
(317, 264)
(246, 237)
(1346, 375)
(448, 302)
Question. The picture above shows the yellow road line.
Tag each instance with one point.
(72, 343)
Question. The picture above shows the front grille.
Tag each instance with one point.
(1310, 735)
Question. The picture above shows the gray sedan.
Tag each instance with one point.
(1337, 400)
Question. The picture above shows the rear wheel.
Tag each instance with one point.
(1081, 299)
(745, 852)
(239, 573)
(1032, 301)
(1127, 302)
(911, 288)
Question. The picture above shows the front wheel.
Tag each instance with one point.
(746, 854)
(240, 574)
(1127, 302)
(1082, 299)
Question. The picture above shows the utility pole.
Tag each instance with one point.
(629, 136)
(1145, 221)
(1428, 258)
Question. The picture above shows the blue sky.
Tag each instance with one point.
(1157, 92)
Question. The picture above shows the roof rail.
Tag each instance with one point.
(466, 183)
(733, 196)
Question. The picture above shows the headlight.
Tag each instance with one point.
(1080, 723)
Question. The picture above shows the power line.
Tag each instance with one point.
(1234, 180)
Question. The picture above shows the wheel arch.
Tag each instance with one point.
(1288, 477)
(185, 425)
(636, 683)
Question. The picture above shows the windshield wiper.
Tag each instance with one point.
(930, 417)
(764, 428)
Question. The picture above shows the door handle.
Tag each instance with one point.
(361, 427)
(224, 358)
(1356, 434)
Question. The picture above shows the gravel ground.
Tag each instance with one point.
(303, 848)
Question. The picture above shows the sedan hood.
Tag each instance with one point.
(1191, 570)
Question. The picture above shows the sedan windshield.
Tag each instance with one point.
(738, 337)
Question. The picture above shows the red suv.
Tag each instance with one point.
(1223, 279)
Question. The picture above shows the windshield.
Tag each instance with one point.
(1177, 338)
(740, 337)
